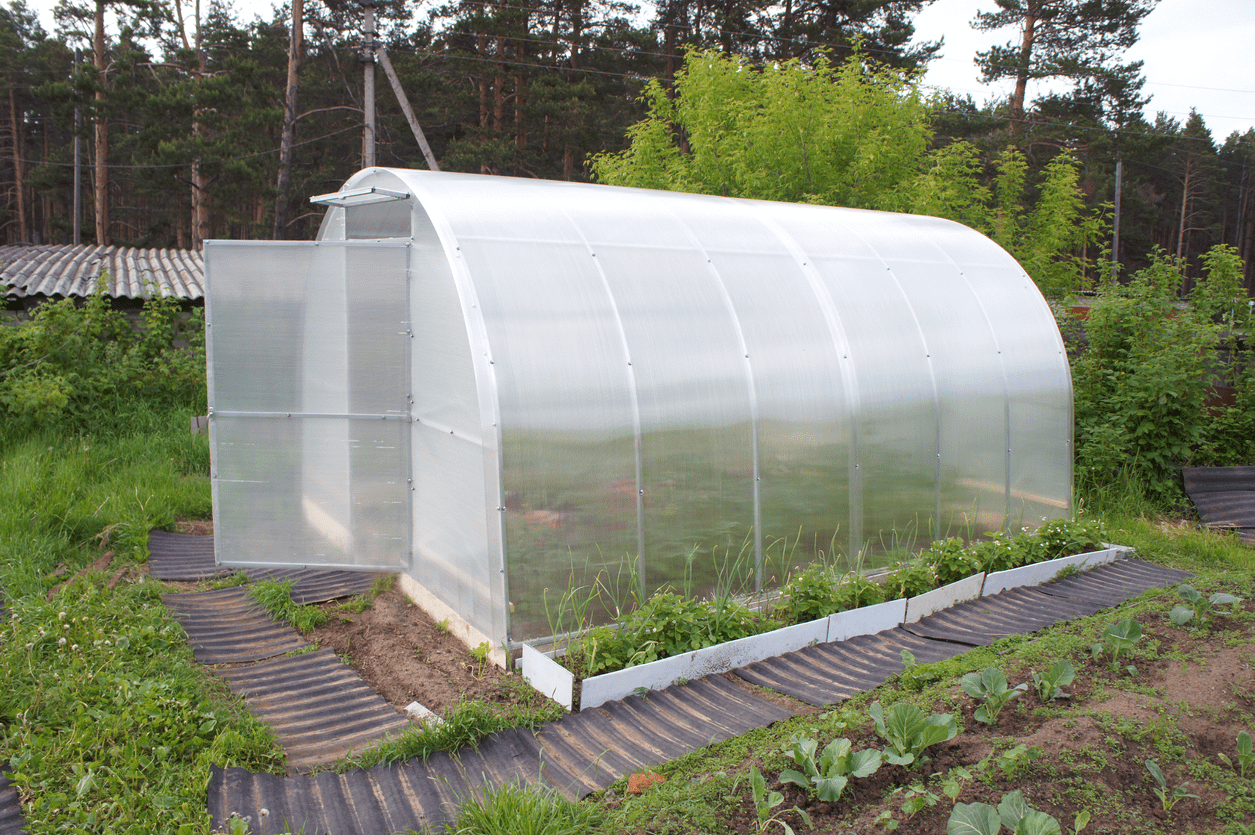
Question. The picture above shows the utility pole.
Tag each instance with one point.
(367, 58)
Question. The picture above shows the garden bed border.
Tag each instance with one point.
(558, 683)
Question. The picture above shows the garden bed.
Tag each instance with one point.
(559, 682)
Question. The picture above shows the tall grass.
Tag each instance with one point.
(106, 721)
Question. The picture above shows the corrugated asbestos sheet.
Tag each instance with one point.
(10, 808)
(184, 557)
(11, 822)
(580, 753)
(69, 270)
(320, 709)
(1225, 497)
(1018, 611)
(1116, 582)
(225, 626)
(828, 673)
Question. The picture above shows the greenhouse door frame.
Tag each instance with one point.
(332, 437)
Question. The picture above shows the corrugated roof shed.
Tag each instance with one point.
(129, 272)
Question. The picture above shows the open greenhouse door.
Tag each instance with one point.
(309, 398)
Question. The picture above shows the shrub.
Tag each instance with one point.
(1141, 386)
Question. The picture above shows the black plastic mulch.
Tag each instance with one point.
(1224, 497)
(226, 626)
(320, 709)
(580, 753)
(11, 822)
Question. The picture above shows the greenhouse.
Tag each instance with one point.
(511, 389)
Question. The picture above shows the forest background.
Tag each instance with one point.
(195, 124)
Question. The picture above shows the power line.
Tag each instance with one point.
(224, 160)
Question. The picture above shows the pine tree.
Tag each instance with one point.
(1076, 39)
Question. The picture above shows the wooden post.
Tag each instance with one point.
(384, 61)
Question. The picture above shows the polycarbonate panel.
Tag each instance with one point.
(967, 368)
(256, 311)
(568, 446)
(804, 419)
(894, 485)
(694, 395)
(274, 507)
(1039, 394)
(452, 507)
(451, 526)
(311, 464)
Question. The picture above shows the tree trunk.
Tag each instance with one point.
(100, 171)
(200, 183)
(498, 88)
(288, 139)
(481, 49)
(1021, 72)
(1185, 204)
(19, 185)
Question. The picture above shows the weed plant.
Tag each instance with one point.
(107, 722)
(1141, 383)
(523, 811)
(275, 596)
(466, 723)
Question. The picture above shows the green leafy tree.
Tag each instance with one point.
(848, 135)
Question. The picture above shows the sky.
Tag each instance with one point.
(1197, 53)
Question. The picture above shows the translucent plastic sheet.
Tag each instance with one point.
(308, 363)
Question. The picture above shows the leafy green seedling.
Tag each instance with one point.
(913, 677)
(1120, 637)
(973, 819)
(908, 731)
(1199, 607)
(828, 775)
(916, 799)
(991, 686)
(1168, 799)
(1246, 757)
(1050, 684)
(765, 802)
(1013, 812)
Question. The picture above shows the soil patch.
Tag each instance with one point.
(1193, 692)
(401, 652)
